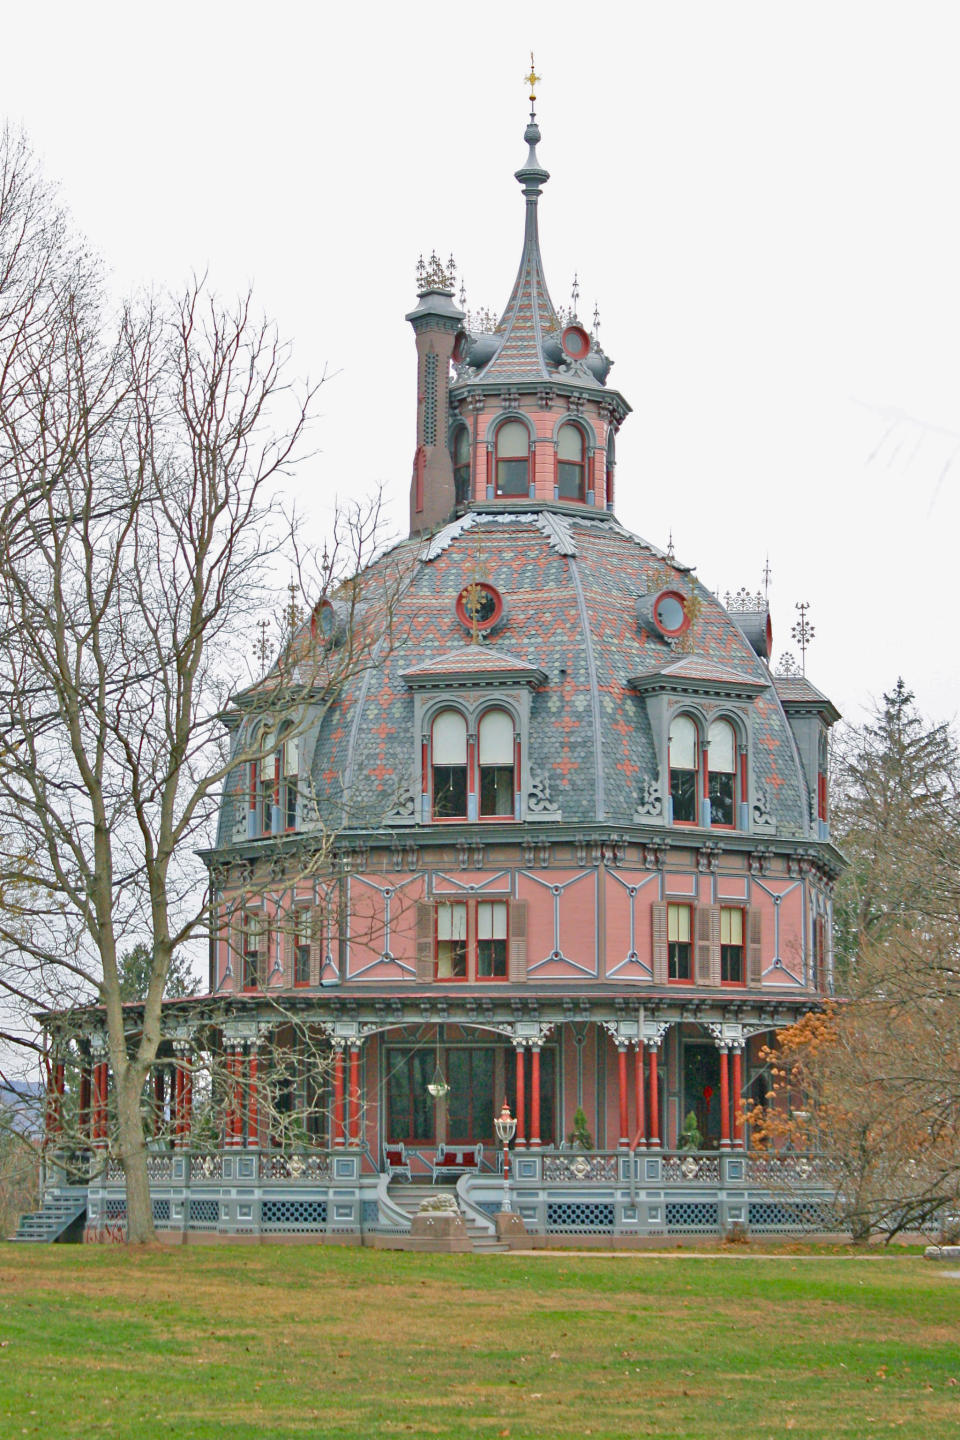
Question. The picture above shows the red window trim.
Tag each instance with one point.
(472, 977)
(691, 911)
(473, 772)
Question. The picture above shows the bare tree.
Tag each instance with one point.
(140, 529)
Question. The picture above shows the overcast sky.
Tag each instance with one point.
(761, 197)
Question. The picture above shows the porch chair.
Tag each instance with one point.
(395, 1160)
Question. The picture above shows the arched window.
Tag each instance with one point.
(267, 773)
(460, 454)
(722, 766)
(570, 463)
(496, 745)
(611, 467)
(513, 460)
(289, 779)
(449, 759)
(684, 768)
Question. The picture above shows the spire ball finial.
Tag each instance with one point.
(533, 80)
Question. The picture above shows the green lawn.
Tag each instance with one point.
(272, 1341)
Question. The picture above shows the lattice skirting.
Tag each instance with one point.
(573, 1217)
(797, 1215)
(204, 1212)
(692, 1216)
(293, 1215)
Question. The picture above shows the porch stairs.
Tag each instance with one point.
(408, 1197)
(63, 1211)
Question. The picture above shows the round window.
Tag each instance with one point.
(575, 342)
(670, 612)
(479, 606)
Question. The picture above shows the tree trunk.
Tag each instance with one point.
(133, 1157)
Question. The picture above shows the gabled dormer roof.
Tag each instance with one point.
(697, 675)
(473, 664)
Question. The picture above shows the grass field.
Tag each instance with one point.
(273, 1341)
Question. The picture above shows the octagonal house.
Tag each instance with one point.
(562, 840)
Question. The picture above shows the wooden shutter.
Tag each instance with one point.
(318, 917)
(707, 971)
(754, 947)
(659, 912)
(819, 954)
(425, 922)
(517, 922)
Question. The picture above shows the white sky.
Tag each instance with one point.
(761, 196)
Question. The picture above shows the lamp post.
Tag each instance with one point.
(506, 1127)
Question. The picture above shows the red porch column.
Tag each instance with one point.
(234, 1098)
(737, 1098)
(176, 1104)
(623, 1095)
(535, 1096)
(353, 1134)
(253, 1100)
(83, 1110)
(100, 1082)
(654, 1101)
(338, 1095)
(724, 1098)
(158, 1099)
(186, 1103)
(639, 1097)
(521, 1137)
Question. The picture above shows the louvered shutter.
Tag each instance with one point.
(754, 947)
(708, 945)
(659, 913)
(425, 962)
(318, 916)
(517, 965)
(819, 954)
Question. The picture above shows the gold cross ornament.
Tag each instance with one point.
(532, 79)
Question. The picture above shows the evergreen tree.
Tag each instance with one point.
(896, 817)
(135, 967)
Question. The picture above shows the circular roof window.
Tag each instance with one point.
(479, 606)
(670, 612)
(575, 342)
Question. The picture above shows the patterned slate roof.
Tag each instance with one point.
(797, 690)
(571, 616)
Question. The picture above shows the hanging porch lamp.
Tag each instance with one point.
(438, 1086)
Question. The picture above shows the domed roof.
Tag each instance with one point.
(572, 634)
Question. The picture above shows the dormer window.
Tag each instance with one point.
(570, 464)
(497, 764)
(684, 768)
(460, 454)
(513, 460)
(722, 771)
(449, 762)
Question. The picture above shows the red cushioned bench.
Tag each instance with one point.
(395, 1160)
(457, 1160)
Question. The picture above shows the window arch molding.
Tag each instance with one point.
(701, 793)
(492, 436)
(489, 792)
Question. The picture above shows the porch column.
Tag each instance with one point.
(83, 1107)
(55, 1087)
(724, 1098)
(100, 1082)
(654, 1138)
(353, 1135)
(521, 1136)
(176, 1105)
(186, 1107)
(623, 1094)
(338, 1094)
(158, 1099)
(737, 1097)
(639, 1097)
(253, 1098)
(535, 1096)
(234, 1097)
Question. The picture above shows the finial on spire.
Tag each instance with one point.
(533, 80)
(574, 295)
(596, 319)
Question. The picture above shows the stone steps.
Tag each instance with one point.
(43, 1227)
(407, 1197)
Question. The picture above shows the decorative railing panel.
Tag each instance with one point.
(310, 1166)
(206, 1167)
(582, 1167)
(785, 1172)
(691, 1169)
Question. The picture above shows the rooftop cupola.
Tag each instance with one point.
(528, 416)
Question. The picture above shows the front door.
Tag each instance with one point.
(701, 1090)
